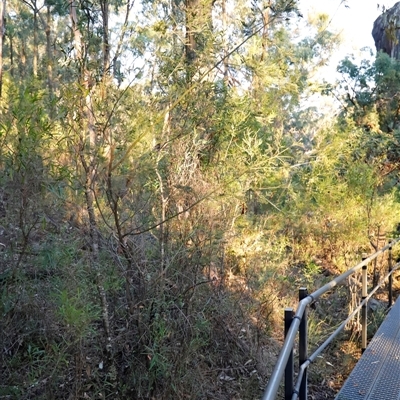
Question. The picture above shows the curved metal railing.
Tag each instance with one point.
(297, 323)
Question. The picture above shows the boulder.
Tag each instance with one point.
(386, 32)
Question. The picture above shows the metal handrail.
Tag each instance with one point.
(279, 369)
(328, 341)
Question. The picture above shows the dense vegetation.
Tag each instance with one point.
(166, 185)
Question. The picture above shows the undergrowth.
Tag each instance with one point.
(208, 329)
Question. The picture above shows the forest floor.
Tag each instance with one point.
(52, 332)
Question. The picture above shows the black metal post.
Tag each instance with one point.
(303, 345)
(390, 263)
(364, 294)
(289, 370)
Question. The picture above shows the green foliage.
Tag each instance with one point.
(375, 319)
(153, 225)
(76, 311)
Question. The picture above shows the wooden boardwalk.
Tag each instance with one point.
(376, 376)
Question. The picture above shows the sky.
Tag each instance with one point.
(355, 22)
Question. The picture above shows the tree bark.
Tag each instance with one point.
(49, 53)
(11, 55)
(76, 33)
(35, 39)
(106, 43)
(225, 41)
(192, 7)
(2, 33)
(87, 154)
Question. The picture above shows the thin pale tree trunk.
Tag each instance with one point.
(35, 39)
(75, 31)
(225, 41)
(49, 53)
(123, 32)
(106, 43)
(2, 33)
(192, 9)
(11, 55)
(87, 154)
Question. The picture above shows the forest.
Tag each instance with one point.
(172, 171)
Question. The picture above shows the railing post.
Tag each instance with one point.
(390, 284)
(364, 294)
(289, 370)
(303, 345)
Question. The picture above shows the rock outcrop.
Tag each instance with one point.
(386, 31)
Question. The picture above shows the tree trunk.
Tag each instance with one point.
(2, 32)
(11, 55)
(75, 31)
(87, 156)
(22, 57)
(89, 135)
(35, 39)
(49, 53)
(191, 17)
(106, 44)
(225, 41)
(123, 32)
